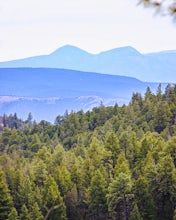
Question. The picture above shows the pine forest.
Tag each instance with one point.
(109, 163)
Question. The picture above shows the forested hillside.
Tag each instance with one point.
(114, 163)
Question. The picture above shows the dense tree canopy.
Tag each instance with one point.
(115, 162)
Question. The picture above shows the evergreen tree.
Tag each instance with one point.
(29, 118)
(112, 145)
(97, 196)
(125, 142)
(35, 213)
(52, 201)
(24, 215)
(94, 153)
(144, 199)
(106, 148)
(63, 179)
(165, 188)
(162, 117)
(92, 162)
(40, 171)
(135, 214)
(26, 192)
(122, 165)
(13, 215)
(149, 169)
(159, 92)
(76, 174)
(171, 148)
(120, 197)
(5, 198)
(148, 94)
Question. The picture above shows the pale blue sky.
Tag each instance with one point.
(34, 27)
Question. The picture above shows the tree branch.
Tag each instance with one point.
(50, 210)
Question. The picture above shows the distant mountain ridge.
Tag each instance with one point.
(127, 61)
(47, 92)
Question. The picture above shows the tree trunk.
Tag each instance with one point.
(125, 208)
(50, 210)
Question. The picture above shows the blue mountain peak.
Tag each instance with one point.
(126, 61)
(127, 50)
(69, 49)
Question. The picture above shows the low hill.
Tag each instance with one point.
(47, 92)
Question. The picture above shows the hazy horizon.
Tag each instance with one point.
(30, 28)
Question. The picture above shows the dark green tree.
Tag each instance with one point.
(13, 215)
(35, 213)
(52, 201)
(171, 148)
(5, 198)
(112, 145)
(135, 214)
(97, 191)
(162, 117)
(165, 188)
(63, 179)
(29, 118)
(40, 171)
(26, 192)
(144, 199)
(122, 165)
(24, 215)
(120, 197)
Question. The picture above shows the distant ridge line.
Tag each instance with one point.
(126, 61)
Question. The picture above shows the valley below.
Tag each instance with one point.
(47, 92)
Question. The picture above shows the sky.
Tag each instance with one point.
(37, 27)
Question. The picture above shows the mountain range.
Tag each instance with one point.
(126, 61)
(47, 92)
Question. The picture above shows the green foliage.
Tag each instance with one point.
(63, 179)
(171, 148)
(40, 171)
(135, 214)
(26, 192)
(162, 116)
(120, 196)
(24, 215)
(122, 166)
(165, 188)
(144, 199)
(97, 195)
(35, 213)
(5, 198)
(112, 146)
(52, 200)
(13, 215)
(108, 163)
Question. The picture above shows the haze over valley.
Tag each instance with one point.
(47, 92)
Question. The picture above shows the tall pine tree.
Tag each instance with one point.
(52, 201)
(97, 196)
(5, 198)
